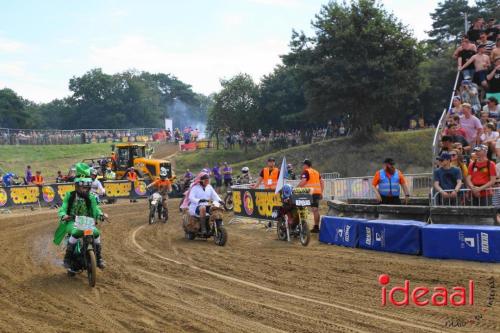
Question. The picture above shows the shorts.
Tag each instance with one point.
(315, 200)
(228, 182)
(481, 76)
(218, 182)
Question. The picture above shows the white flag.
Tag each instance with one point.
(283, 176)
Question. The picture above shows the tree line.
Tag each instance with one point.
(99, 100)
(362, 66)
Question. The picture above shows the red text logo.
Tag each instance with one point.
(422, 296)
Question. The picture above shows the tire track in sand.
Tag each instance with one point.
(277, 292)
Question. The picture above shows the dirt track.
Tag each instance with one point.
(156, 281)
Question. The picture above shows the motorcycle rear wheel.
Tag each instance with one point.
(91, 268)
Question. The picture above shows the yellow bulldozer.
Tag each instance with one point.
(133, 154)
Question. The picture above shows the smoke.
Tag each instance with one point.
(185, 115)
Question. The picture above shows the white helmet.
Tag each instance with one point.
(163, 173)
(245, 169)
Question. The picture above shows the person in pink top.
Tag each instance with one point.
(471, 124)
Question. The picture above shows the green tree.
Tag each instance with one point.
(235, 107)
(282, 101)
(362, 63)
(13, 113)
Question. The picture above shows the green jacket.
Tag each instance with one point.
(79, 208)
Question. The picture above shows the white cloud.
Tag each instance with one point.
(9, 45)
(201, 67)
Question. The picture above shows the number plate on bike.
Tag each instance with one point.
(303, 202)
(84, 223)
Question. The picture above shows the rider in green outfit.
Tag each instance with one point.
(80, 202)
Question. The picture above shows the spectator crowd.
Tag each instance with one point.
(470, 141)
(79, 136)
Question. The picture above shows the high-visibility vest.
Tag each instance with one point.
(314, 181)
(132, 176)
(389, 186)
(37, 180)
(162, 184)
(270, 177)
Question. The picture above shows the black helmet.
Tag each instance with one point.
(307, 162)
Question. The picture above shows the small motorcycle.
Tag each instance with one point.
(156, 206)
(214, 221)
(84, 258)
(292, 217)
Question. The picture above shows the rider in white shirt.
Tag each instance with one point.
(199, 195)
(97, 187)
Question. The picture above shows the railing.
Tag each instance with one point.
(10, 136)
(361, 188)
(466, 198)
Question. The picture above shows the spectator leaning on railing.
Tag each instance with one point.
(447, 180)
(482, 176)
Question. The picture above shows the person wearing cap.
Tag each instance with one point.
(387, 184)
(311, 178)
(447, 180)
(471, 124)
(494, 80)
(484, 42)
(268, 175)
(130, 175)
(482, 176)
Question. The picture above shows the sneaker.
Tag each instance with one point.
(315, 229)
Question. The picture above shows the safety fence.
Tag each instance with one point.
(53, 194)
(328, 179)
(467, 198)
(361, 187)
(78, 136)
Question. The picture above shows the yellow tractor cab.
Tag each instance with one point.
(133, 154)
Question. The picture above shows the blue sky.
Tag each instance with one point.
(44, 43)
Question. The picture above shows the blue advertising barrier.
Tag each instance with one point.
(391, 236)
(340, 230)
(464, 242)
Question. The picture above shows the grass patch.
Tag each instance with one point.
(49, 158)
(410, 149)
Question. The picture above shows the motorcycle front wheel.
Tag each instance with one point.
(152, 211)
(281, 228)
(228, 201)
(305, 234)
(91, 267)
(221, 237)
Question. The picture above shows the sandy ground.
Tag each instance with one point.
(157, 281)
